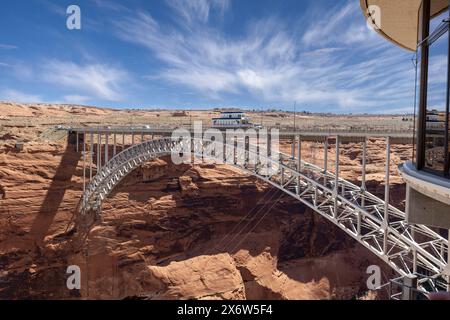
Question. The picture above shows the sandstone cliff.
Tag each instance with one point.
(168, 232)
(172, 232)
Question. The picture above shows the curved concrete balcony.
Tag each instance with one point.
(427, 197)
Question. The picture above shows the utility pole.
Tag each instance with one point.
(262, 115)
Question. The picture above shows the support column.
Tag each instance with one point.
(293, 148)
(224, 153)
(142, 137)
(132, 139)
(409, 287)
(413, 237)
(363, 173)
(363, 185)
(247, 151)
(91, 158)
(414, 257)
(448, 261)
(99, 150)
(236, 153)
(106, 147)
(299, 161)
(336, 178)
(386, 194)
(77, 141)
(325, 162)
(115, 145)
(123, 141)
(84, 162)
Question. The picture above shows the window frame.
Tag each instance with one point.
(423, 46)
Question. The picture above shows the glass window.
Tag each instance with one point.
(436, 137)
(447, 162)
(416, 103)
(418, 152)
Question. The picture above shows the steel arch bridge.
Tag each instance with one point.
(381, 228)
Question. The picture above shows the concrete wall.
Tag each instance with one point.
(421, 209)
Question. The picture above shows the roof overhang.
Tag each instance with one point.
(398, 20)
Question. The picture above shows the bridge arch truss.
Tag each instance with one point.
(381, 228)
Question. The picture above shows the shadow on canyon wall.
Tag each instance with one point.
(55, 193)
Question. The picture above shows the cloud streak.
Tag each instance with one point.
(7, 46)
(325, 58)
(18, 96)
(87, 80)
(272, 65)
(198, 10)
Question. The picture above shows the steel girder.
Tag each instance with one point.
(408, 249)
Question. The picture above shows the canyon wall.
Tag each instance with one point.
(177, 232)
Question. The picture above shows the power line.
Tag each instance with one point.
(230, 243)
(233, 238)
(257, 223)
(218, 246)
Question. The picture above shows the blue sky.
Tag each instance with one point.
(202, 54)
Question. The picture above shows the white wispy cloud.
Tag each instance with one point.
(323, 29)
(209, 62)
(18, 96)
(7, 46)
(337, 62)
(338, 27)
(54, 7)
(22, 71)
(198, 10)
(111, 5)
(76, 99)
(87, 80)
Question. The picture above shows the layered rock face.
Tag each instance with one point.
(170, 232)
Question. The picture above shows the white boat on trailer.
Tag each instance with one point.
(233, 120)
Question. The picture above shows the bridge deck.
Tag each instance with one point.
(284, 132)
